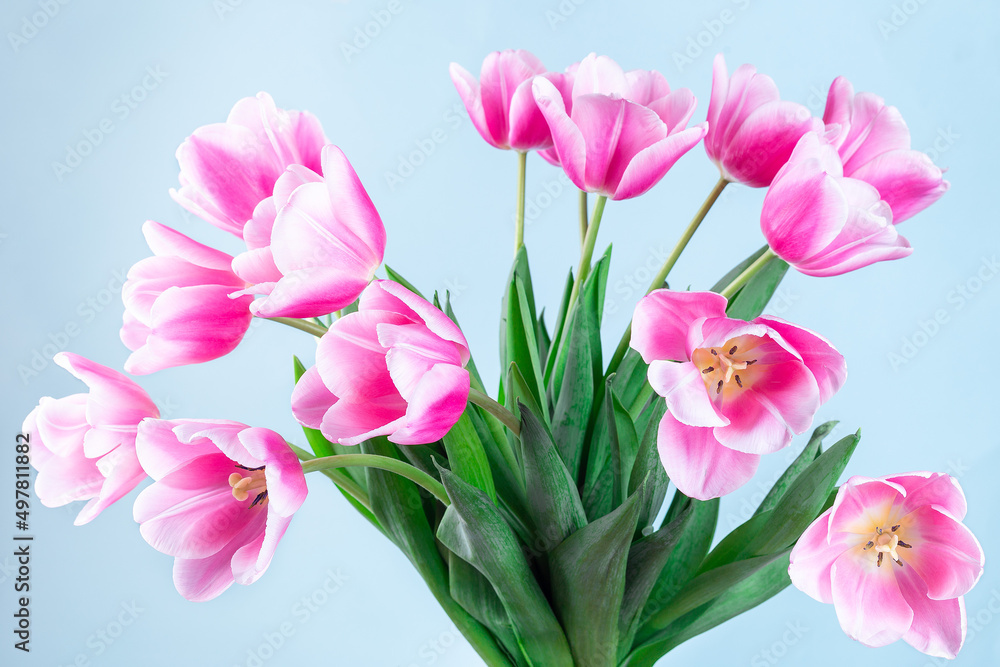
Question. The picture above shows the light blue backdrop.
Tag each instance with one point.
(133, 79)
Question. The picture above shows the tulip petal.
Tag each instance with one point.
(864, 504)
(907, 180)
(869, 604)
(764, 142)
(822, 359)
(939, 626)
(944, 552)
(311, 399)
(697, 464)
(567, 139)
(436, 404)
(468, 91)
(351, 422)
(687, 398)
(202, 579)
(932, 488)
(649, 165)
(662, 319)
(813, 557)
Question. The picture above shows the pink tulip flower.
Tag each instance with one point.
(396, 367)
(614, 147)
(83, 445)
(314, 245)
(823, 223)
(600, 75)
(500, 104)
(735, 390)
(177, 305)
(228, 168)
(223, 497)
(893, 557)
(874, 144)
(751, 130)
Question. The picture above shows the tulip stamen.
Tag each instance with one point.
(886, 542)
(719, 388)
(732, 350)
(255, 483)
(739, 382)
(708, 370)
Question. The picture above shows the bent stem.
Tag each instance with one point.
(346, 484)
(308, 326)
(587, 254)
(668, 265)
(522, 160)
(584, 218)
(505, 416)
(389, 464)
(748, 273)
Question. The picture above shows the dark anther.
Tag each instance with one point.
(878, 530)
(899, 563)
(260, 497)
(732, 350)
(708, 370)
(739, 382)
(719, 388)
(250, 469)
(751, 363)
(869, 545)
(879, 561)
(903, 544)
(715, 353)
(896, 527)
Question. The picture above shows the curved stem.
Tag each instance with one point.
(748, 273)
(587, 254)
(303, 325)
(346, 484)
(506, 417)
(584, 217)
(522, 159)
(392, 465)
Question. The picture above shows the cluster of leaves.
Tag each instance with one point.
(550, 553)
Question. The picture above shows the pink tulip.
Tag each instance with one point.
(893, 557)
(751, 130)
(83, 446)
(600, 75)
(614, 147)
(396, 367)
(313, 245)
(223, 497)
(177, 305)
(500, 104)
(823, 223)
(874, 144)
(228, 168)
(735, 390)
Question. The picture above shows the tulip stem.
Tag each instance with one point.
(505, 416)
(522, 161)
(584, 217)
(668, 265)
(346, 484)
(308, 326)
(748, 273)
(387, 463)
(587, 254)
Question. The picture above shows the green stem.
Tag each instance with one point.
(748, 273)
(302, 325)
(498, 436)
(505, 416)
(584, 217)
(347, 484)
(587, 254)
(522, 160)
(668, 265)
(392, 465)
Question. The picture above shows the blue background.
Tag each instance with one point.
(67, 239)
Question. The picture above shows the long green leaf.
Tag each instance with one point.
(797, 467)
(467, 456)
(397, 278)
(624, 445)
(647, 465)
(476, 595)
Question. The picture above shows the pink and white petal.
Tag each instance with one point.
(906, 179)
(804, 211)
(251, 560)
(357, 221)
(932, 488)
(468, 91)
(202, 579)
(874, 129)
(352, 422)
(870, 607)
(437, 403)
(311, 292)
(413, 351)
(528, 129)
(567, 139)
(286, 483)
(649, 165)
(764, 142)
(646, 87)
(123, 473)
(662, 319)
(65, 479)
(311, 399)
(676, 109)
(944, 552)
(615, 130)
(133, 332)
(821, 358)
(167, 242)
(939, 626)
(716, 103)
(257, 267)
(350, 359)
(687, 398)
(864, 503)
(435, 319)
(61, 424)
(600, 75)
(812, 558)
(114, 399)
(160, 452)
(697, 464)
(839, 102)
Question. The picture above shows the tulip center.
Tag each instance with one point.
(886, 541)
(252, 484)
(723, 368)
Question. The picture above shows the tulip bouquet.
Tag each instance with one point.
(539, 519)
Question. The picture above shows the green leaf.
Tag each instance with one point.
(474, 529)
(749, 302)
(697, 531)
(762, 585)
(476, 595)
(520, 346)
(624, 445)
(558, 335)
(647, 465)
(553, 498)
(517, 391)
(544, 340)
(396, 278)
(588, 583)
(801, 462)
(734, 272)
(467, 457)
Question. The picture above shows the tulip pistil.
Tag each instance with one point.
(886, 542)
(723, 367)
(255, 483)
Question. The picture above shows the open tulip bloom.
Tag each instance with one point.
(538, 513)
